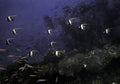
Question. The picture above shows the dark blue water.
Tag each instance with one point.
(29, 16)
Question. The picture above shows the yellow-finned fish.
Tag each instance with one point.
(49, 31)
(32, 53)
(84, 65)
(107, 31)
(15, 30)
(73, 20)
(83, 26)
(10, 18)
(57, 53)
(52, 43)
(9, 41)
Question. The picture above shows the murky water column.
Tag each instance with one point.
(28, 21)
